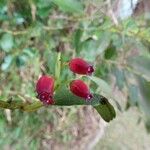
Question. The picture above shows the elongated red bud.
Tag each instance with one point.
(45, 89)
(80, 66)
(79, 88)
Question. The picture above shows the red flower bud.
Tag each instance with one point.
(45, 89)
(80, 66)
(79, 88)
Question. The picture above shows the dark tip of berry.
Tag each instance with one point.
(89, 97)
(46, 98)
(48, 102)
(90, 70)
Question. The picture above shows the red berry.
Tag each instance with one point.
(79, 88)
(80, 66)
(45, 89)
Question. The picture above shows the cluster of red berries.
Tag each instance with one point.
(45, 85)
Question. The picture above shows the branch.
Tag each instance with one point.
(20, 105)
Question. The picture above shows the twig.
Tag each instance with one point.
(111, 13)
(20, 105)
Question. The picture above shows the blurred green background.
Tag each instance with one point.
(31, 34)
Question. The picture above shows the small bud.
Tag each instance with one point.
(79, 88)
(45, 89)
(80, 66)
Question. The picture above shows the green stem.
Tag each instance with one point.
(10, 105)
(20, 105)
(33, 107)
(58, 68)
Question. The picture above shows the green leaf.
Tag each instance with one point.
(44, 7)
(7, 42)
(72, 6)
(131, 26)
(7, 62)
(103, 41)
(50, 59)
(141, 64)
(110, 52)
(106, 89)
(63, 97)
(120, 77)
(29, 52)
(106, 110)
(103, 85)
(21, 60)
(88, 45)
(44, 12)
(117, 41)
(77, 40)
(144, 93)
(102, 69)
(133, 92)
(147, 125)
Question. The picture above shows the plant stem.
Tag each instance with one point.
(58, 68)
(20, 105)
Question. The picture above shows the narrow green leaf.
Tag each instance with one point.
(120, 77)
(144, 93)
(147, 125)
(105, 88)
(103, 42)
(72, 6)
(141, 64)
(77, 40)
(133, 92)
(102, 84)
